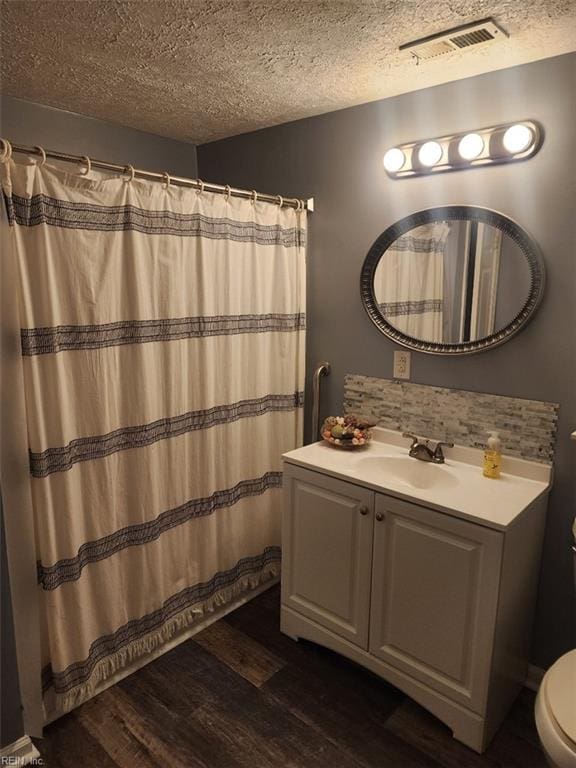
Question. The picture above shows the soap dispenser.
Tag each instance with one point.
(492, 456)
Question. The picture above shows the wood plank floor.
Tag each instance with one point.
(242, 694)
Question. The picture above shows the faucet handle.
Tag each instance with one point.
(438, 452)
(412, 437)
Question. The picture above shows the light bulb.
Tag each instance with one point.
(470, 146)
(430, 153)
(394, 159)
(517, 138)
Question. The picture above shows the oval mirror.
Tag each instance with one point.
(452, 280)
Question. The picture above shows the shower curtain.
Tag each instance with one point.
(163, 360)
(409, 282)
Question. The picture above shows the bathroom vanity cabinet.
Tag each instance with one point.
(438, 605)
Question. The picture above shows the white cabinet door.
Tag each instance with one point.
(434, 598)
(327, 552)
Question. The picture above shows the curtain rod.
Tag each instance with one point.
(181, 181)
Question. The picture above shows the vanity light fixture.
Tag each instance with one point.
(485, 146)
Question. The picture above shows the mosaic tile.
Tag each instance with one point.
(527, 427)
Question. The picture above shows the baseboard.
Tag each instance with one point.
(21, 752)
(534, 677)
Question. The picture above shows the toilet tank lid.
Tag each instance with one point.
(561, 693)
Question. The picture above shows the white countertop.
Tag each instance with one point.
(464, 493)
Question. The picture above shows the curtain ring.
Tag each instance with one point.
(227, 192)
(166, 177)
(42, 153)
(254, 196)
(201, 186)
(280, 200)
(6, 152)
(85, 160)
(129, 169)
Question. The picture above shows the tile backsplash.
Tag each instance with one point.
(527, 427)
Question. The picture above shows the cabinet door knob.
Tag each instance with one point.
(364, 510)
(379, 516)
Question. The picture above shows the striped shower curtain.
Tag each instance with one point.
(163, 356)
(409, 282)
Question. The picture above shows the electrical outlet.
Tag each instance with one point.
(401, 364)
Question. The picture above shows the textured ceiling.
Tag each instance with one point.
(205, 69)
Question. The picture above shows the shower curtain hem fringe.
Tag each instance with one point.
(135, 650)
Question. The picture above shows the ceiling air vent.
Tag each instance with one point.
(456, 39)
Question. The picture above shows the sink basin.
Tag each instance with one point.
(406, 471)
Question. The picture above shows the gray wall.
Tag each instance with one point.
(337, 158)
(26, 123)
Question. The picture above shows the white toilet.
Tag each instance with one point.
(556, 707)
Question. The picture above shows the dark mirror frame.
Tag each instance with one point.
(522, 239)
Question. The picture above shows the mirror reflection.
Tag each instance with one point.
(452, 281)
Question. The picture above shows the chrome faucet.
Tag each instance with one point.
(422, 451)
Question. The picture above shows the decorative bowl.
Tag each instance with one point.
(347, 431)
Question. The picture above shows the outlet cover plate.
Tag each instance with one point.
(402, 364)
